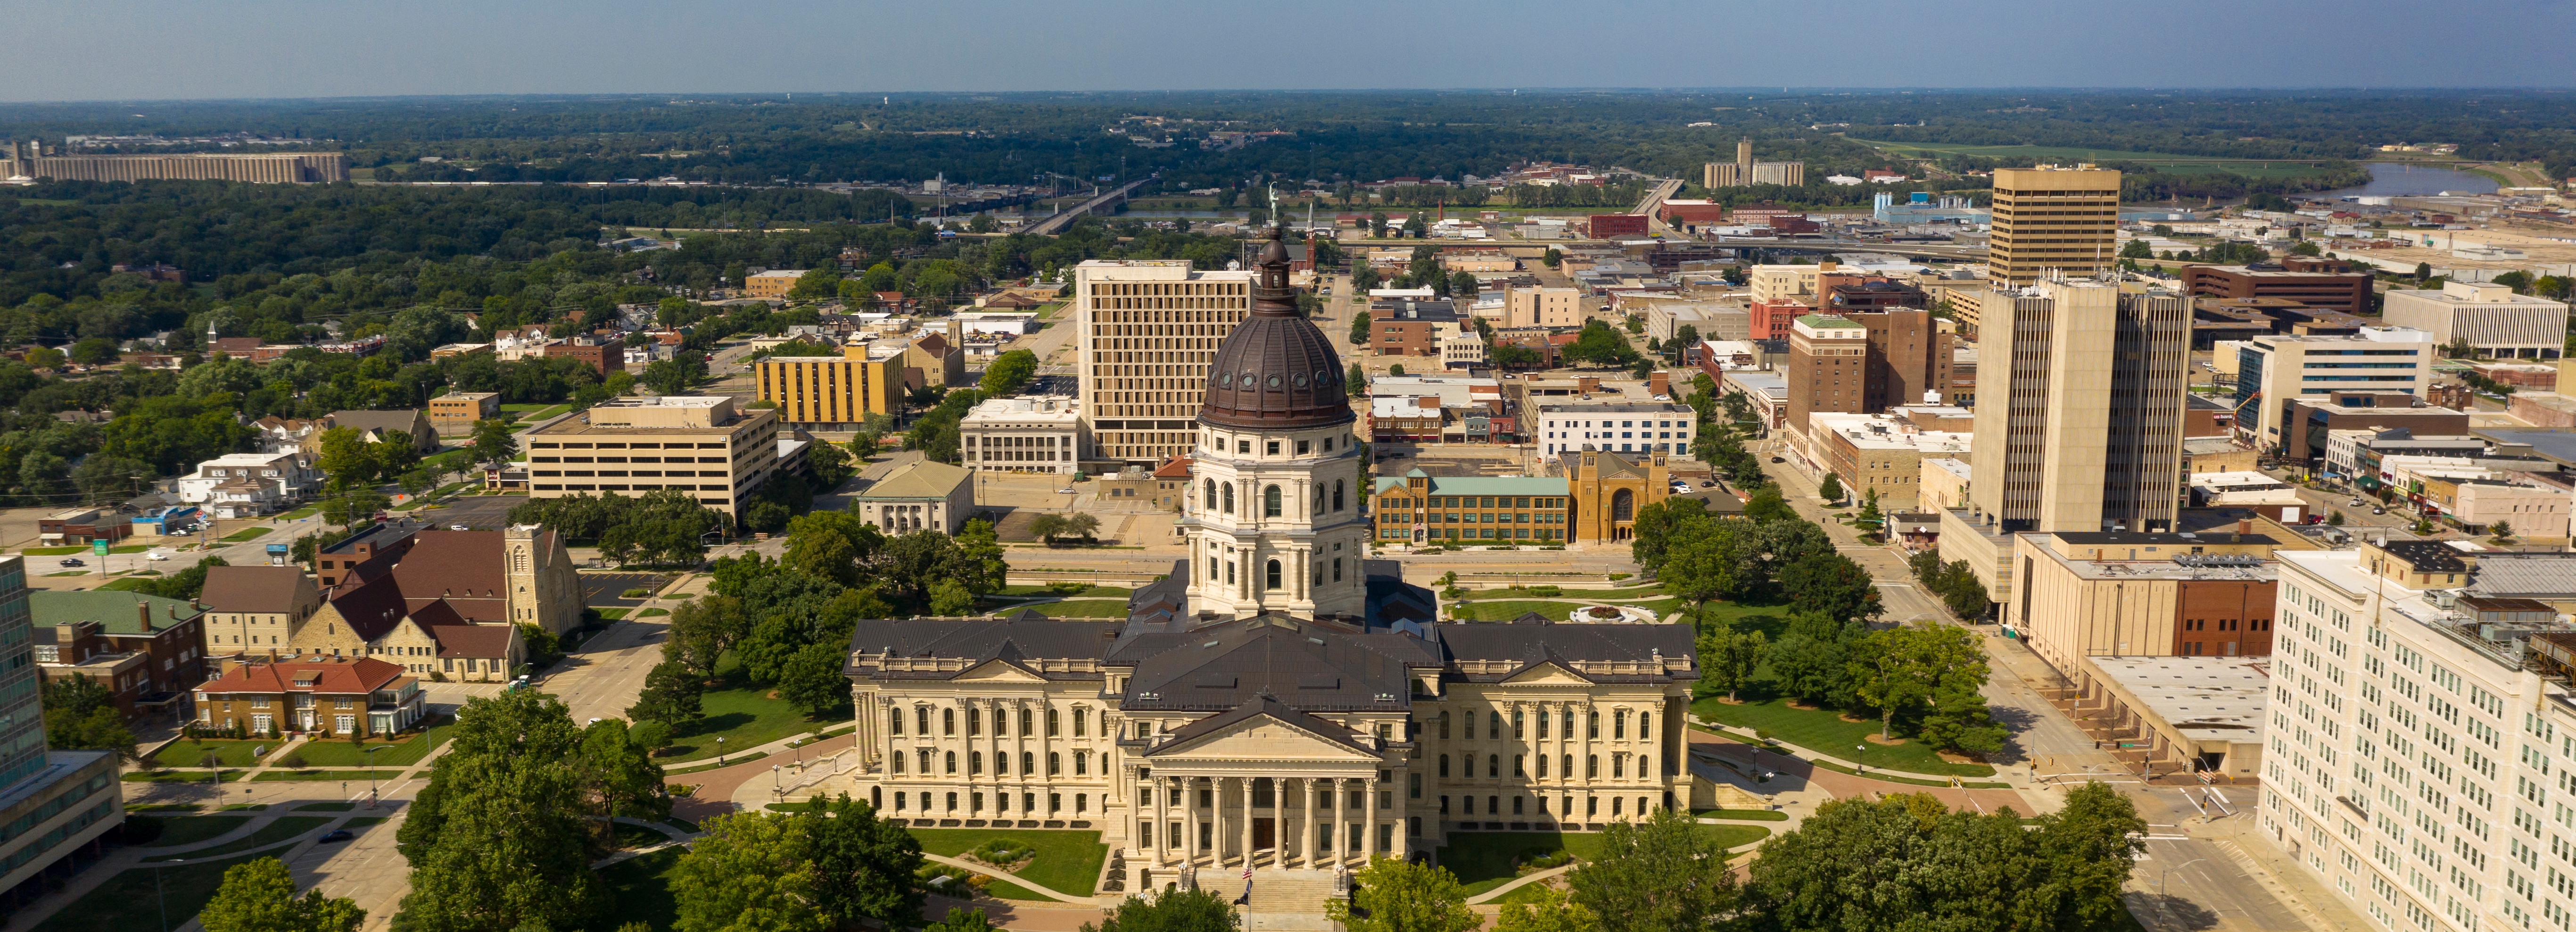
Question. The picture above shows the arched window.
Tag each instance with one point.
(1270, 502)
(1211, 569)
(1270, 575)
(952, 762)
(1568, 769)
(1337, 495)
(1592, 766)
(894, 722)
(1055, 763)
(1229, 497)
(1211, 495)
(1319, 498)
(1444, 764)
(1623, 506)
(1028, 763)
(1337, 569)
(1493, 765)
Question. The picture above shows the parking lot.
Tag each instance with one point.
(476, 512)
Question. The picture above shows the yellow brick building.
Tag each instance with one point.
(833, 392)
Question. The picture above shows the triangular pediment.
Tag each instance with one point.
(998, 671)
(1547, 673)
(1258, 737)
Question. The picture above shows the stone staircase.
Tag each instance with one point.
(1281, 899)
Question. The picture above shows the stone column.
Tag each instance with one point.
(1190, 819)
(1368, 831)
(1583, 753)
(1244, 830)
(1288, 843)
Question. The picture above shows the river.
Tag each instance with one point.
(2388, 179)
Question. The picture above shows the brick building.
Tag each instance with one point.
(337, 697)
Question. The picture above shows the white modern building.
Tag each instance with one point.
(2490, 318)
(2421, 735)
(1037, 433)
(1616, 428)
(2283, 367)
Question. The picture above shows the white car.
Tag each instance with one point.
(155, 555)
(457, 527)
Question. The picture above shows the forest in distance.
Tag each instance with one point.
(1335, 136)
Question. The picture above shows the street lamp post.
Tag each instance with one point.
(370, 758)
(774, 778)
(719, 750)
(157, 897)
(1863, 759)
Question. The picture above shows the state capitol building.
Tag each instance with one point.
(1271, 700)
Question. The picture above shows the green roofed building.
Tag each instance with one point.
(148, 650)
(1423, 508)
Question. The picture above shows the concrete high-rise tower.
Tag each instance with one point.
(2083, 386)
(2051, 219)
(1147, 331)
(1274, 523)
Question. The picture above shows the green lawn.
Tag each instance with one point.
(1743, 815)
(612, 614)
(191, 753)
(327, 807)
(304, 512)
(1485, 860)
(640, 889)
(343, 754)
(652, 613)
(285, 827)
(135, 899)
(354, 776)
(1085, 608)
(53, 551)
(1823, 731)
(248, 533)
(1767, 618)
(189, 830)
(740, 713)
(1067, 861)
(1510, 609)
(1525, 893)
(1095, 592)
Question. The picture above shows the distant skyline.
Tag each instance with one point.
(167, 49)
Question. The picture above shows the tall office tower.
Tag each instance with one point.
(1744, 157)
(1148, 330)
(2051, 219)
(2084, 387)
(55, 801)
(2416, 748)
(1745, 171)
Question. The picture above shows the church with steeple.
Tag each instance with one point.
(1277, 704)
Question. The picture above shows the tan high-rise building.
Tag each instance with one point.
(834, 392)
(1744, 171)
(2079, 420)
(699, 444)
(1148, 331)
(2051, 219)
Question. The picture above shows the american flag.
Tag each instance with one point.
(1247, 868)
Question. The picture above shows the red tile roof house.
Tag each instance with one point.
(333, 696)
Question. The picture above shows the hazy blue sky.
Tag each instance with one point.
(162, 49)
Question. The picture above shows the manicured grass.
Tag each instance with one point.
(307, 775)
(637, 836)
(1095, 592)
(1823, 731)
(343, 754)
(1744, 815)
(248, 533)
(53, 551)
(1067, 861)
(741, 713)
(69, 573)
(612, 614)
(1007, 890)
(1509, 609)
(1525, 893)
(189, 830)
(135, 899)
(233, 753)
(652, 613)
(1085, 608)
(364, 821)
(284, 828)
(327, 807)
(304, 512)
(1484, 860)
(165, 807)
(1767, 618)
(640, 889)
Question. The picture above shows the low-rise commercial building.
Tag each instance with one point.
(1879, 453)
(2345, 291)
(2180, 714)
(1411, 328)
(2125, 594)
(81, 526)
(771, 285)
(696, 443)
(2490, 318)
(1565, 429)
(2273, 371)
(834, 392)
(1553, 308)
(1036, 433)
(454, 413)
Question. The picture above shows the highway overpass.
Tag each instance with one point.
(1105, 199)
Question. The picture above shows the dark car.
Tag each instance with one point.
(70, 561)
(337, 834)
(1776, 459)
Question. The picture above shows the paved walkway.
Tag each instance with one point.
(720, 791)
(1802, 773)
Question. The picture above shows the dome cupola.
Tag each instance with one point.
(1276, 370)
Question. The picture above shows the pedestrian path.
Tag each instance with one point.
(999, 874)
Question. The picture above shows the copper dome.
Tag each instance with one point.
(1276, 370)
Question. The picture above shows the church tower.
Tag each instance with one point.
(1274, 523)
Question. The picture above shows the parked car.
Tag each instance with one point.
(1776, 459)
(73, 561)
(2379, 511)
(457, 527)
(2355, 503)
(156, 555)
(337, 834)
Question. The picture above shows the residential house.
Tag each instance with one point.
(339, 697)
(244, 485)
(379, 426)
(256, 609)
